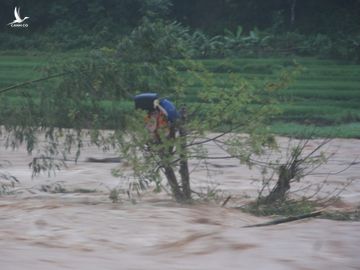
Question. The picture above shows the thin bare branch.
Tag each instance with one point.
(32, 81)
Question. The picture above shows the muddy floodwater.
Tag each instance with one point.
(78, 227)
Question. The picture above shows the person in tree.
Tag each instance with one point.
(161, 115)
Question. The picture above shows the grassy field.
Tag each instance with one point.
(325, 98)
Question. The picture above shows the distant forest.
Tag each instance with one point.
(109, 19)
(306, 16)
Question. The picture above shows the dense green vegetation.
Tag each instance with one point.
(217, 28)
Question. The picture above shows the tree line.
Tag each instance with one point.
(211, 16)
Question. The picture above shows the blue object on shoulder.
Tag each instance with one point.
(145, 101)
(170, 109)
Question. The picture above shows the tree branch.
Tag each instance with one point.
(284, 220)
(32, 81)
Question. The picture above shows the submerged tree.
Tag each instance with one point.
(7, 181)
(296, 165)
(96, 94)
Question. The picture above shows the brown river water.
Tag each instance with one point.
(77, 230)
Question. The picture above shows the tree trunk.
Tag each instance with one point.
(286, 174)
(175, 189)
(184, 169)
(181, 193)
(279, 191)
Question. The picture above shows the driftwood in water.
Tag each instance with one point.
(226, 201)
(284, 220)
(104, 160)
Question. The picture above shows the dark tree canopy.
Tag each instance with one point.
(307, 16)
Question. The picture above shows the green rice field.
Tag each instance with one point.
(325, 97)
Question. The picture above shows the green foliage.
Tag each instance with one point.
(10, 41)
(67, 37)
(342, 215)
(298, 207)
(234, 27)
(229, 44)
(146, 60)
(87, 97)
(229, 109)
(283, 208)
(204, 46)
(197, 44)
(261, 43)
(154, 41)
